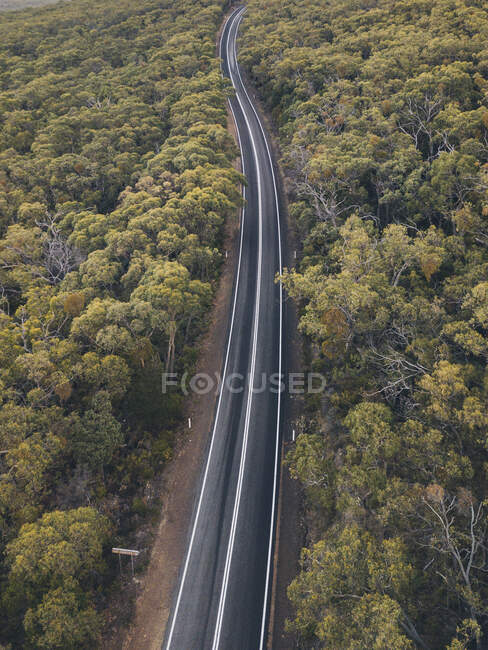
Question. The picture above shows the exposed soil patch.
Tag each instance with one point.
(290, 531)
(181, 479)
(290, 525)
(155, 590)
(181, 476)
(15, 5)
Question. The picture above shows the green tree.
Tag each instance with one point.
(97, 434)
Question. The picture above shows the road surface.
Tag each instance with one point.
(223, 594)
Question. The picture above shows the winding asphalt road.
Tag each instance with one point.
(223, 594)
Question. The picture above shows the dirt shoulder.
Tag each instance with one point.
(181, 478)
(290, 528)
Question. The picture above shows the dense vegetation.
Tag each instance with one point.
(116, 178)
(382, 111)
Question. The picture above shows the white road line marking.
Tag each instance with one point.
(277, 446)
(234, 18)
(250, 394)
(231, 330)
(268, 571)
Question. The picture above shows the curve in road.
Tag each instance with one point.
(223, 593)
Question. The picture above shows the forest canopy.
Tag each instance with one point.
(382, 111)
(116, 179)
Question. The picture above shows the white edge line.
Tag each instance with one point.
(231, 329)
(272, 523)
(275, 485)
(235, 513)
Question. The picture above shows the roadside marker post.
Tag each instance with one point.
(189, 423)
(126, 551)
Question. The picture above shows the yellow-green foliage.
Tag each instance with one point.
(382, 107)
(116, 179)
